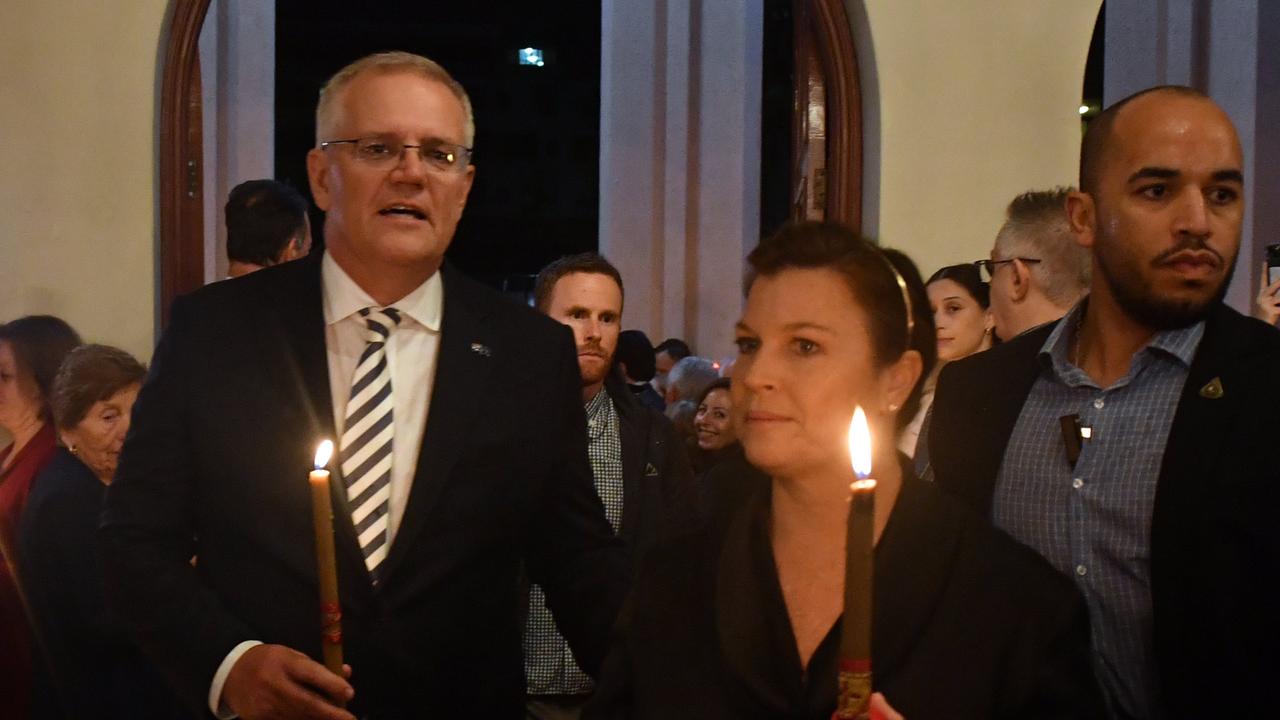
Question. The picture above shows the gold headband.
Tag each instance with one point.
(906, 294)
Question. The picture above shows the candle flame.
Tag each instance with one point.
(860, 444)
(323, 452)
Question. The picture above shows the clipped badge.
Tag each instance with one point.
(1213, 389)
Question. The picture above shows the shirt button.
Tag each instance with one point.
(1098, 403)
(1077, 483)
(1082, 570)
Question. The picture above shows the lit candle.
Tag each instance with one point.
(855, 629)
(326, 564)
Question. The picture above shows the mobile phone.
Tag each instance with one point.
(1273, 263)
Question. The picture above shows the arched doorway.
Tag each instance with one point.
(181, 156)
(826, 178)
(826, 134)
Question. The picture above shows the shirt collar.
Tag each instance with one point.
(344, 298)
(596, 405)
(1180, 343)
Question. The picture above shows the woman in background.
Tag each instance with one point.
(960, 301)
(91, 670)
(31, 349)
(713, 425)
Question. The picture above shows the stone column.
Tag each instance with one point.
(238, 71)
(680, 161)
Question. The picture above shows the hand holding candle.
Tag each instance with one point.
(326, 563)
(854, 679)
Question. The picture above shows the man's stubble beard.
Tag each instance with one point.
(606, 364)
(1137, 298)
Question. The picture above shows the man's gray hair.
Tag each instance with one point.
(690, 376)
(328, 109)
(1036, 226)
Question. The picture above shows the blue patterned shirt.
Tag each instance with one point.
(549, 666)
(1093, 521)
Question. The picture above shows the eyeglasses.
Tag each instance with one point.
(385, 151)
(988, 267)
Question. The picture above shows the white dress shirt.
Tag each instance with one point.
(411, 350)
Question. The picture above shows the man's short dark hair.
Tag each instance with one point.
(675, 348)
(588, 263)
(1096, 138)
(263, 217)
(636, 352)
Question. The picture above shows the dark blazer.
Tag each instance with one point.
(967, 623)
(649, 397)
(215, 466)
(1215, 547)
(658, 496)
(88, 667)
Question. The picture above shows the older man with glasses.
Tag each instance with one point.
(462, 449)
(1037, 271)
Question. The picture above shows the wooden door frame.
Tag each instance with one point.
(181, 156)
(832, 42)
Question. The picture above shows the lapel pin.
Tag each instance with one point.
(650, 470)
(481, 350)
(1213, 390)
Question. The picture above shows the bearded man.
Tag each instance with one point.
(1129, 443)
(641, 471)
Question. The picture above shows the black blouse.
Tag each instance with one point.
(967, 623)
(89, 667)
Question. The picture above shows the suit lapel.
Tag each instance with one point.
(304, 368)
(634, 440)
(993, 386)
(300, 322)
(465, 359)
(1211, 398)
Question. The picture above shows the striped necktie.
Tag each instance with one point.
(366, 439)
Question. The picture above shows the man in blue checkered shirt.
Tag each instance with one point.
(1130, 443)
(641, 469)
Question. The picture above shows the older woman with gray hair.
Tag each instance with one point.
(91, 670)
(688, 378)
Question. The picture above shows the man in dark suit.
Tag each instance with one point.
(637, 365)
(1131, 442)
(461, 436)
(640, 467)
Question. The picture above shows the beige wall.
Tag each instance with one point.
(77, 191)
(978, 101)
